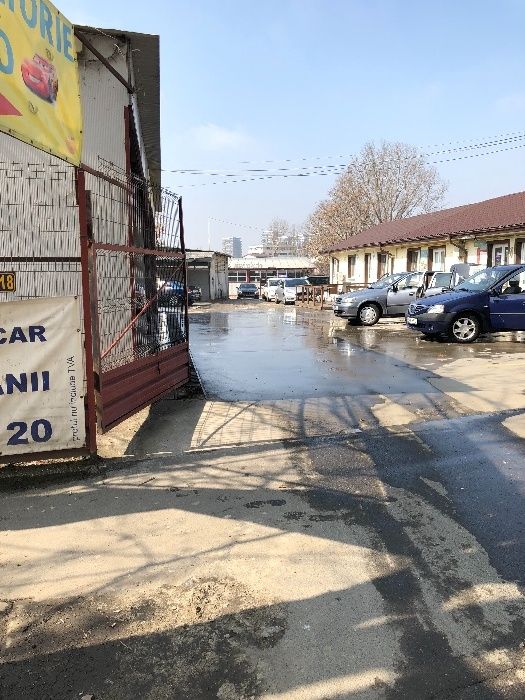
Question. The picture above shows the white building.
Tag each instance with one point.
(232, 246)
(208, 270)
(252, 269)
(491, 232)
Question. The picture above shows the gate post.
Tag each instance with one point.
(86, 253)
(183, 251)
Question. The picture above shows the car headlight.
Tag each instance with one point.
(436, 309)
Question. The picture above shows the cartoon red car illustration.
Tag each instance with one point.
(40, 77)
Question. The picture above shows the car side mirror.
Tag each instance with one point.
(395, 288)
(495, 292)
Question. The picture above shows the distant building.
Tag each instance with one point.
(254, 269)
(208, 269)
(256, 251)
(232, 246)
(282, 241)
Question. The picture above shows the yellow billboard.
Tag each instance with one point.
(39, 84)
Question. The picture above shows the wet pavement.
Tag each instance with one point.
(257, 351)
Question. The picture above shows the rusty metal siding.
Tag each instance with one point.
(130, 388)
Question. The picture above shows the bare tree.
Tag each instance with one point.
(383, 183)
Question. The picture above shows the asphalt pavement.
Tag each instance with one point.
(432, 443)
(340, 517)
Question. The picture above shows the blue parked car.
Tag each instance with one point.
(173, 293)
(491, 300)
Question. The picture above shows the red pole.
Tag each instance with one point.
(85, 244)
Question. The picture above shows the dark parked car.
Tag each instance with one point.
(195, 293)
(389, 296)
(318, 280)
(247, 290)
(491, 300)
(172, 293)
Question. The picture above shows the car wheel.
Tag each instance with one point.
(465, 328)
(276, 300)
(369, 314)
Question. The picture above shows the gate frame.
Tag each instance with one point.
(87, 266)
(100, 382)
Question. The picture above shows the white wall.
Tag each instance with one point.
(219, 277)
(103, 102)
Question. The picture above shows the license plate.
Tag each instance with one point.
(412, 321)
(7, 281)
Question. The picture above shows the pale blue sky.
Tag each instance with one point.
(292, 79)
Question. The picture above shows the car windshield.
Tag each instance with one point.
(385, 281)
(441, 279)
(272, 283)
(317, 280)
(248, 286)
(299, 282)
(482, 280)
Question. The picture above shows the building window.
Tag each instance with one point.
(520, 251)
(500, 254)
(436, 259)
(351, 267)
(237, 276)
(412, 260)
(382, 261)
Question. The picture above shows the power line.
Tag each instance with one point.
(217, 172)
(231, 223)
(336, 169)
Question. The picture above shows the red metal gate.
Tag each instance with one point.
(127, 265)
(134, 279)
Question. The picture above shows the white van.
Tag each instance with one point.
(268, 291)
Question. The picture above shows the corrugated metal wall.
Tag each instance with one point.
(103, 102)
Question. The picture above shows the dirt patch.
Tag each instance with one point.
(190, 641)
